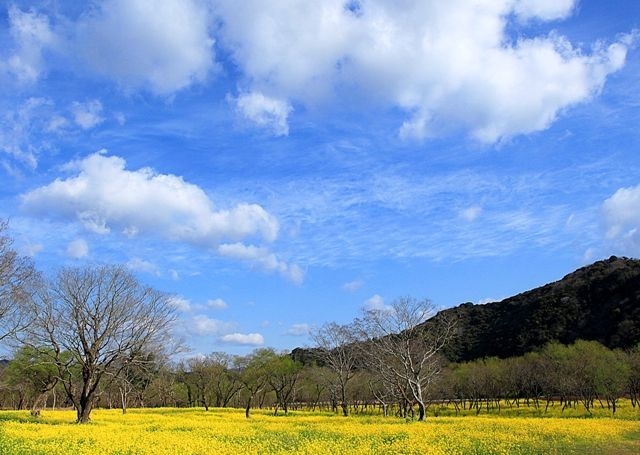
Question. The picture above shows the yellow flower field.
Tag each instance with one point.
(226, 431)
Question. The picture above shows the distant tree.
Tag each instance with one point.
(164, 389)
(336, 350)
(254, 374)
(32, 369)
(214, 378)
(134, 377)
(633, 384)
(282, 375)
(312, 388)
(402, 349)
(96, 320)
(17, 280)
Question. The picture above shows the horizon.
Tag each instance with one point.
(279, 166)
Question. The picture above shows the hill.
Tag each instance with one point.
(598, 302)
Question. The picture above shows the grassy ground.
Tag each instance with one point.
(226, 431)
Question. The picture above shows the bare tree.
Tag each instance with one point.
(17, 278)
(402, 349)
(94, 321)
(336, 349)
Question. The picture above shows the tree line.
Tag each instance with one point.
(95, 336)
(585, 374)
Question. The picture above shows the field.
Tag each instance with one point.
(226, 431)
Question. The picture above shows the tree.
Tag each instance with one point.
(336, 349)
(282, 376)
(402, 349)
(17, 278)
(214, 378)
(254, 374)
(102, 319)
(30, 368)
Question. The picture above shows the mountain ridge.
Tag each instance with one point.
(598, 302)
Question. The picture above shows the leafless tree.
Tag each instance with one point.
(17, 278)
(402, 349)
(336, 349)
(95, 321)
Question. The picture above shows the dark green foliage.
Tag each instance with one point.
(600, 302)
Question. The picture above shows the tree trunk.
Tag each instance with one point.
(38, 403)
(421, 411)
(84, 411)
(85, 404)
(247, 409)
(123, 401)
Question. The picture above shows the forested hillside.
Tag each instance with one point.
(599, 302)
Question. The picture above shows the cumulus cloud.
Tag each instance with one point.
(218, 304)
(161, 46)
(250, 339)
(103, 196)
(87, 115)
(140, 265)
(376, 303)
(204, 325)
(265, 112)
(32, 34)
(443, 63)
(545, 10)
(78, 249)
(622, 219)
(447, 65)
(180, 304)
(264, 258)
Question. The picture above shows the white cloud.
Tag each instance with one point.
(32, 34)
(266, 112)
(57, 123)
(87, 115)
(163, 46)
(298, 329)
(180, 304)
(448, 65)
(622, 219)
(140, 265)
(78, 249)
(218, 304)
(31, 249)
(103, 195)
(376, 303)
(263, 258)
(17, 128)
(352, 286)
(545, 10)
(470, 214)
(204, 325)
(251, 339)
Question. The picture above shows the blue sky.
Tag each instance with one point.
(278, 165)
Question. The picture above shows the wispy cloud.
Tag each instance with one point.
(217, 304)
(622, 219)
(299, 329)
